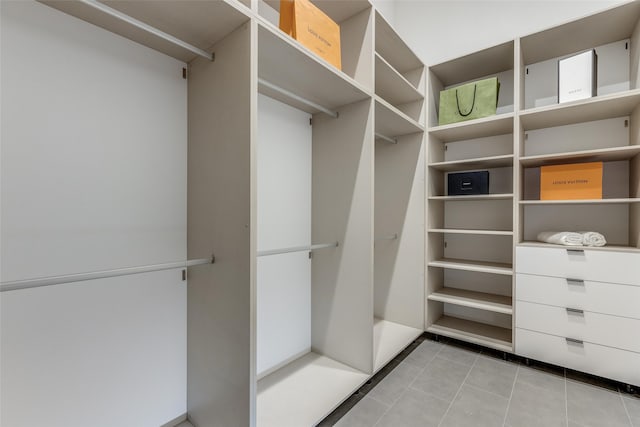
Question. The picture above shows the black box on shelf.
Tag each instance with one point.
(466, 183)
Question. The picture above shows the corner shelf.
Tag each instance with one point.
(477, 266)
(392, 122)
(480, 300)
(499, 124)
(475, 232)
(393, 86)
(598, 155)
(475, 332)
(393, 49)
(389, 339)
(477, 163)
(329, 381)
(596, 108)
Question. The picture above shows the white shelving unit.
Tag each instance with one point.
(399, 228)
(529, 131)
(470, 243)
(368, 132)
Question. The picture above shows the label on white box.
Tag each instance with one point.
(577, 76)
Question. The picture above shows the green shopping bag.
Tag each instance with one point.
(469, 101)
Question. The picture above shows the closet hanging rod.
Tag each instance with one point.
(148, 28)
(298, 98)
(69, 278)
(298, 249)
(386, 138)
(389, 237)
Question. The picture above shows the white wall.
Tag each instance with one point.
(284, 220)
(93, 158)
(387, 8)
(440, 30)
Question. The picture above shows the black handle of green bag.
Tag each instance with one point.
(475, 86)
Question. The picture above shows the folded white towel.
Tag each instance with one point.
(567, 238)
(593, 238)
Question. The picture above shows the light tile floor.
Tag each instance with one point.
(444, 385)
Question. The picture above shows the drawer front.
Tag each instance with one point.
(613, 331)
(603, 361)
(599, 266)
(598, 297)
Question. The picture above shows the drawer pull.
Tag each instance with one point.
(575, 251)
(574, 311)
(574, 341)
(577, 282)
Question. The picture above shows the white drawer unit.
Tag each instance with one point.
(596, 359)
(596, 297)
(595, 328)
(596, 265)
(579, 308)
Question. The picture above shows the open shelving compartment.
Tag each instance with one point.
(496, 61)
(399, 232)
(470, 238)
(599, 129)
(356, 31)
(399, 74)
(333, 357)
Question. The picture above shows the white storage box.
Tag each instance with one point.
(578, 76)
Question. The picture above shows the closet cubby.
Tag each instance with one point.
(615, 45)
(399, 74)
(496, 61)
(356, 30)
(399, 231)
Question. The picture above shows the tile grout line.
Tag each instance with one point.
(566, 396)
(624, 405)
(459, 389)
(408, 386)
(513, 387)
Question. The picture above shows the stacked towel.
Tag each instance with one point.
(592, 238)
(566, 238)
(570, 238)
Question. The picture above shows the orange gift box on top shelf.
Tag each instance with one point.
(576, 181)
(313, 28)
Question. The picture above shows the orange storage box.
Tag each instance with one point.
(303, 21)
(576, 181)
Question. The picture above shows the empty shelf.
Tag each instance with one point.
(389, 339)
(475, 332)
(392, 122)
(281, 402)
(505, 160)
(473, 299)
(479, 266)
(475, 197)
(487, 126)
(393, 86)
(476, 232)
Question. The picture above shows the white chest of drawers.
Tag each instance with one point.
(579, 309)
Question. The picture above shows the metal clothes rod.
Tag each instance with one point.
(148, 28)
(297, 249)
(386, 138)
(292, 95)
(389, 237)
(58, 280)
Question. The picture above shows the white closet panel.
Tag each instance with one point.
(105, 353)
(284, 220)
(94, 134)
